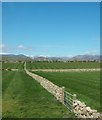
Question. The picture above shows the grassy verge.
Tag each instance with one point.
(85, 84)
(13, 65)
(23, 97)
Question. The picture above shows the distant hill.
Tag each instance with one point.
(11, 57)
(85, 57)
(77, 58)
(21, 57)
(43, 58)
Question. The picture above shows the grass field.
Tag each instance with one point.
(62, 65)
(13, 65)
(23, 97)
(85, 84)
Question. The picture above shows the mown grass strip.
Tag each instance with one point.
(12, 65)
(23, 97)
(62, 65)
(85, 84)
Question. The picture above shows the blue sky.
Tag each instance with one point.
(51, 29)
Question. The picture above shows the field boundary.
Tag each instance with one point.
(57, 91)
(74, 105)
(56, 70)
(66, 70)
(77, 107)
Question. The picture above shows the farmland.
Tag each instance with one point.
(85, 84)
(62, 65)
(9, 65)
(23, 97)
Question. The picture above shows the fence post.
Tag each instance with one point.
(74, 97)
(63, 88)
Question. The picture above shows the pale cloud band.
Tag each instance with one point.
(2, 46)
(4, 49)
(7, 49)
(21, 47)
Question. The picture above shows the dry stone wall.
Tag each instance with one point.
(58, 92)
(66, 70)
(82, 111)
(79, 108)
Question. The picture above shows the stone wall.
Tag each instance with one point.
(82, 111)
(67, 70)
(79, 108)
(58, 92)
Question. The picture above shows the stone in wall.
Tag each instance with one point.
(82, 111)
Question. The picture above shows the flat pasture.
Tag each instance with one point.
(9, 65)
(62, 65)
(85, 84)
(23, 97)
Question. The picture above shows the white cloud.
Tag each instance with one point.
(4, 53)
(2, 46)
(91, 52)
(21, 47)
(4, 49)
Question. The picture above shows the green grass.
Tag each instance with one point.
(13, 65)
(62, 65)
(23, 97)
(85, 84)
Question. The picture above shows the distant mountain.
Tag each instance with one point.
(86, 57)
(44, 58)
(21, 57)
(12, 57)
(78, 58)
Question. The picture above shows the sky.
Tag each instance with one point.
(50, 29)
